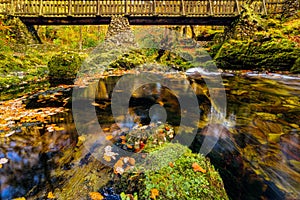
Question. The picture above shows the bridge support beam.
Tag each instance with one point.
(133, 20)
(33, 32)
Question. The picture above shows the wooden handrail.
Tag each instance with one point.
(133, 7)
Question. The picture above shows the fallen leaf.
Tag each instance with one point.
(109, 137)
(3, 160)
(106, 129)
(107, 158)
(96, 196)
(119, 163)
(123, 137)
(131, 161)
(19, 198)
(154, 193)
(198, 168)
(50, 195)
(171, 164)
(118, 167)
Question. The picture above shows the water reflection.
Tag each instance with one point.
(32, 152)
(257, 153)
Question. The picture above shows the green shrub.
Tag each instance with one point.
(64, 65)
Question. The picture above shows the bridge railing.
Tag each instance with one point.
(61, 8)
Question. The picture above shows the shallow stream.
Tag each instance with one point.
(42, 154)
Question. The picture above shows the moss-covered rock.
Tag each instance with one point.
(129, 60)
(265, 53)
(296, 66)
(191, 176)
(258, 43)
(64, 65)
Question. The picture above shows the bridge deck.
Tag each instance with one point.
(138, 11)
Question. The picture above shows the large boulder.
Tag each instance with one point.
(64, 65)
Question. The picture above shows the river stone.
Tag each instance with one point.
(290, 146)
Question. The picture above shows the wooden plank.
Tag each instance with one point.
(182, 7)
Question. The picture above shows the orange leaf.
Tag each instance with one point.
(119, 163)
(96, 196)
(129, 146)
(131, 161)
(123, 137)
(198, 168)
(109, 137)
(154, 193)
(171, 164)
(106, 129)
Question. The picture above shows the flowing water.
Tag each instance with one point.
(257, 152)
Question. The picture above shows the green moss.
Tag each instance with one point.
(258, 43)
(129, 60)
(271, 54)
(64, 65)
(174, 177)
(296, 66)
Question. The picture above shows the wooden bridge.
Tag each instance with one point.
(138, 12)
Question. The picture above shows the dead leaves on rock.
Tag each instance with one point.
(124, 164)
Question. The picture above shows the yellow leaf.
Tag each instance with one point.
(19, 198)
(198, 168)
(107, 158)
(96, 196)
(50, 195)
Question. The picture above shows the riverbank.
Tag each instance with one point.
(254, 42)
